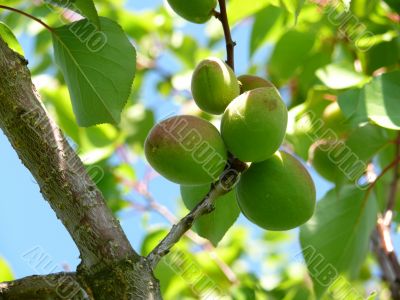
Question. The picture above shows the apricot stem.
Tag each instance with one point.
(230, 44)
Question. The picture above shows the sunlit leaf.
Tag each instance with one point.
(6, 273)
(377, 101)
(239, 9)
(7, 35)
(98, 66)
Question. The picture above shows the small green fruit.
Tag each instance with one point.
(186, 150)
(251, 82)
(334, 118)
(254, 124)
(277, 194)
(196, 11)
(214, 85)
(327, 156)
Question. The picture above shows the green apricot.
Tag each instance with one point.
(251, 82)
(214, 85)
(277, 194)
(334, 119)
(186, 150)
(326, 157)
(196, 11)
(254, 124)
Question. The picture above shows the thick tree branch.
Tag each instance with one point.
(59, 172)
(108, 260)
(223, 186)
(230, 44)
(54, 286)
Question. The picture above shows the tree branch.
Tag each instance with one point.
(393, 186)
(206, 245)
(54, 286)
(382, 241)
(387, 273)
(225, 184)
(230, 44)
(59, 172)
(108, 259)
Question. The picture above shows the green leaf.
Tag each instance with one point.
(340, 76)
(136, 123)
(377, 101)
(107, 180)
(346, 4)
(368, 140)
(340, 73)
(98, 143)
(240, 9)
(98, 66)
(57, 102)
(336, 240)
(289, 54)
(85, 8)
(294, 6)
(212, 226)
(265, 22)
(372, 296)
(394, 4)
(8, 37)
(6, 273)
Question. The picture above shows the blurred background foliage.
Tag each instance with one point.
(315, 52)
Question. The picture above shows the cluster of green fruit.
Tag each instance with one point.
(275, 192)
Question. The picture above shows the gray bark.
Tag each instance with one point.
(53, 286)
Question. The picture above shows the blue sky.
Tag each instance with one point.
(27, 221)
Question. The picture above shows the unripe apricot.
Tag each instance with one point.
(254, 124)
(186, 150)
(277, 194)
(326, 157)
(334, 119)
(196, 11)
(251, 82)
(214, 85)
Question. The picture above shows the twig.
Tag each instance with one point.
(230, 44)
(383, 172)
(393, 185)
(203, 243)
(223, 186)
(28, 15)
(179, 229)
